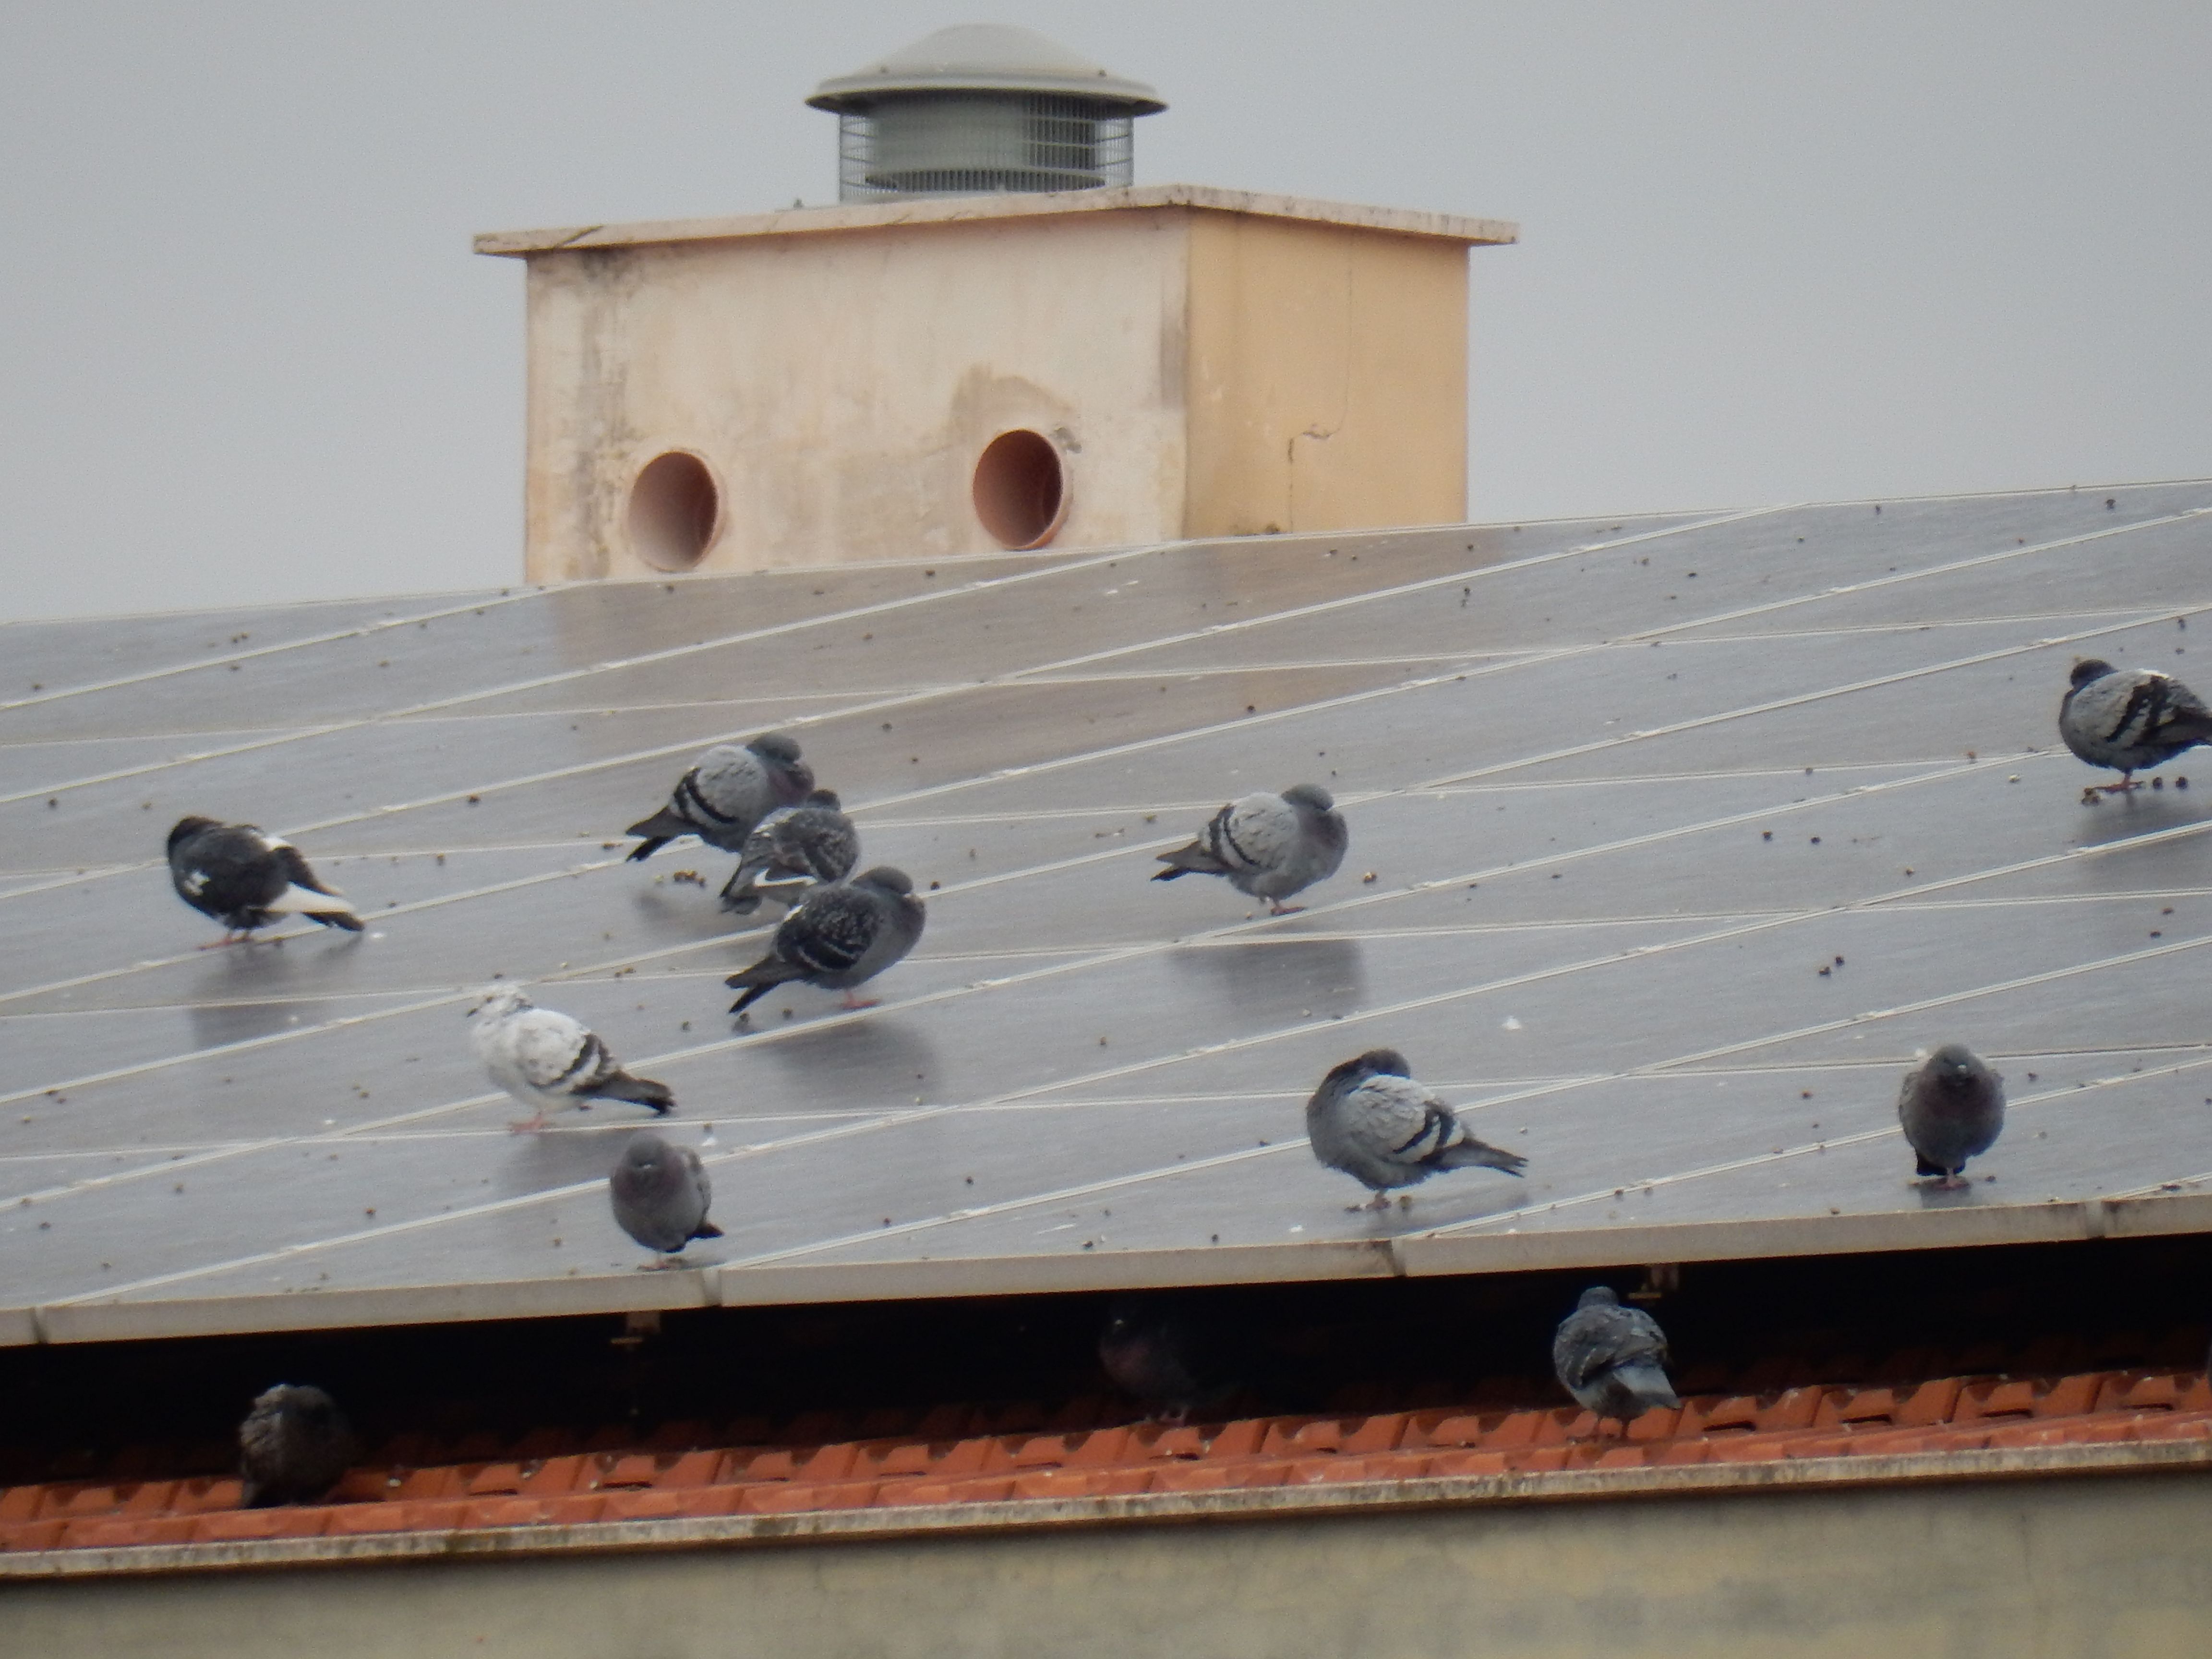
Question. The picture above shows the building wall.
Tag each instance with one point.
(2045, 1568)
(839, 387)
(1327, 377)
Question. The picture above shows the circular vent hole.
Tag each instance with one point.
(1021, 490)
(672, 509)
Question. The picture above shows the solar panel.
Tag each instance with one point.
(1673, 839)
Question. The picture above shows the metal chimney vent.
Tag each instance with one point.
(980, 108)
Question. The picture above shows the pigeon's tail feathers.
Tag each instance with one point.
(1647, 1380)
(329, 908)
(658, 831)
(742, 903)
(640, 1091)
(1471, 1154)
(706, 1229)
(757, 981)
(1191, 861)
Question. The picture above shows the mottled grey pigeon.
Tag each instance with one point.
(1370, 1120)
(841, 936)
(728, 791)
(546, 1059)
(660, 1194)
(2131, 719)
(1167, 1357)
(1951, 1107)
(293, 1446)
(1267, 846)
(1612, 1359)
(245, 879)
(793, 849)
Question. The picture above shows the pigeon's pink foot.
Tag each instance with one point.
(857, 1003)
(227, 939)
(530, 1125)
(1380, 1202)
(660, 1263)
(1277, 908)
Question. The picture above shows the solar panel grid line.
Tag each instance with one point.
(8, 704)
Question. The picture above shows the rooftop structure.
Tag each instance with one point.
(978, 108)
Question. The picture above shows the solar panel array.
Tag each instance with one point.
(1672, 840)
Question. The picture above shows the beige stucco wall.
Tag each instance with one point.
(841, 387)
(1327, 377)
(2040, 1569)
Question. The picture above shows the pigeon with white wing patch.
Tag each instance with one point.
(792, 849)
(546, 1059)
(1267, 846)
(246, 878)
(1370, 1120)
(726, 792)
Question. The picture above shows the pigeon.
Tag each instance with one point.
(546, 1059)
(1370, 1120)
(1951, 1107)
(1268, 846)
(293, 1446)
(841, 936)
(660, 1194)
(246, 878)
(793, 848)
(2131, 720)
(1166, 1357)
(728, 791)
(1612, 1359)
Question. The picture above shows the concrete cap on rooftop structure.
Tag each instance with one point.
(984, 58)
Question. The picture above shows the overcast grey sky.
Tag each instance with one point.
(1770, 251)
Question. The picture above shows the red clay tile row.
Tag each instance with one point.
(625, 1484)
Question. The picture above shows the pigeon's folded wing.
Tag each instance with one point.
(1396, 1119)
(1255, 832)
(553, 1051)
(830, 933)
(699, 1175)
(1596, 1339)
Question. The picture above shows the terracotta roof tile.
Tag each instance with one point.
(964, 1454)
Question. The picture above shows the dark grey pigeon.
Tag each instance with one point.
(1168, 1357)
(727, 792)
(793, 849)
(1951, 1107)
(839, 937)
(1267, 846)
(660, 1194)
(246, 879)
(1612, 1359)
(2131, 720)
(1370, 1120)
(293, 1446)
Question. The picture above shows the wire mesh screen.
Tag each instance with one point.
(975, 143)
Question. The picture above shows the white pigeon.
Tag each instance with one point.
(546, 1059)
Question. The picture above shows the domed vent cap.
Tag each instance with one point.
(979, 108)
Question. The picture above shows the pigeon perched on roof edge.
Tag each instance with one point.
(545, 1058)
(841, 936)
(246, 879)
(660, 1194)
(1370, 1120)
(1952, 1109)
(293, 1446)
(727, 792)
(1612, 1360)
(1267, 846)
